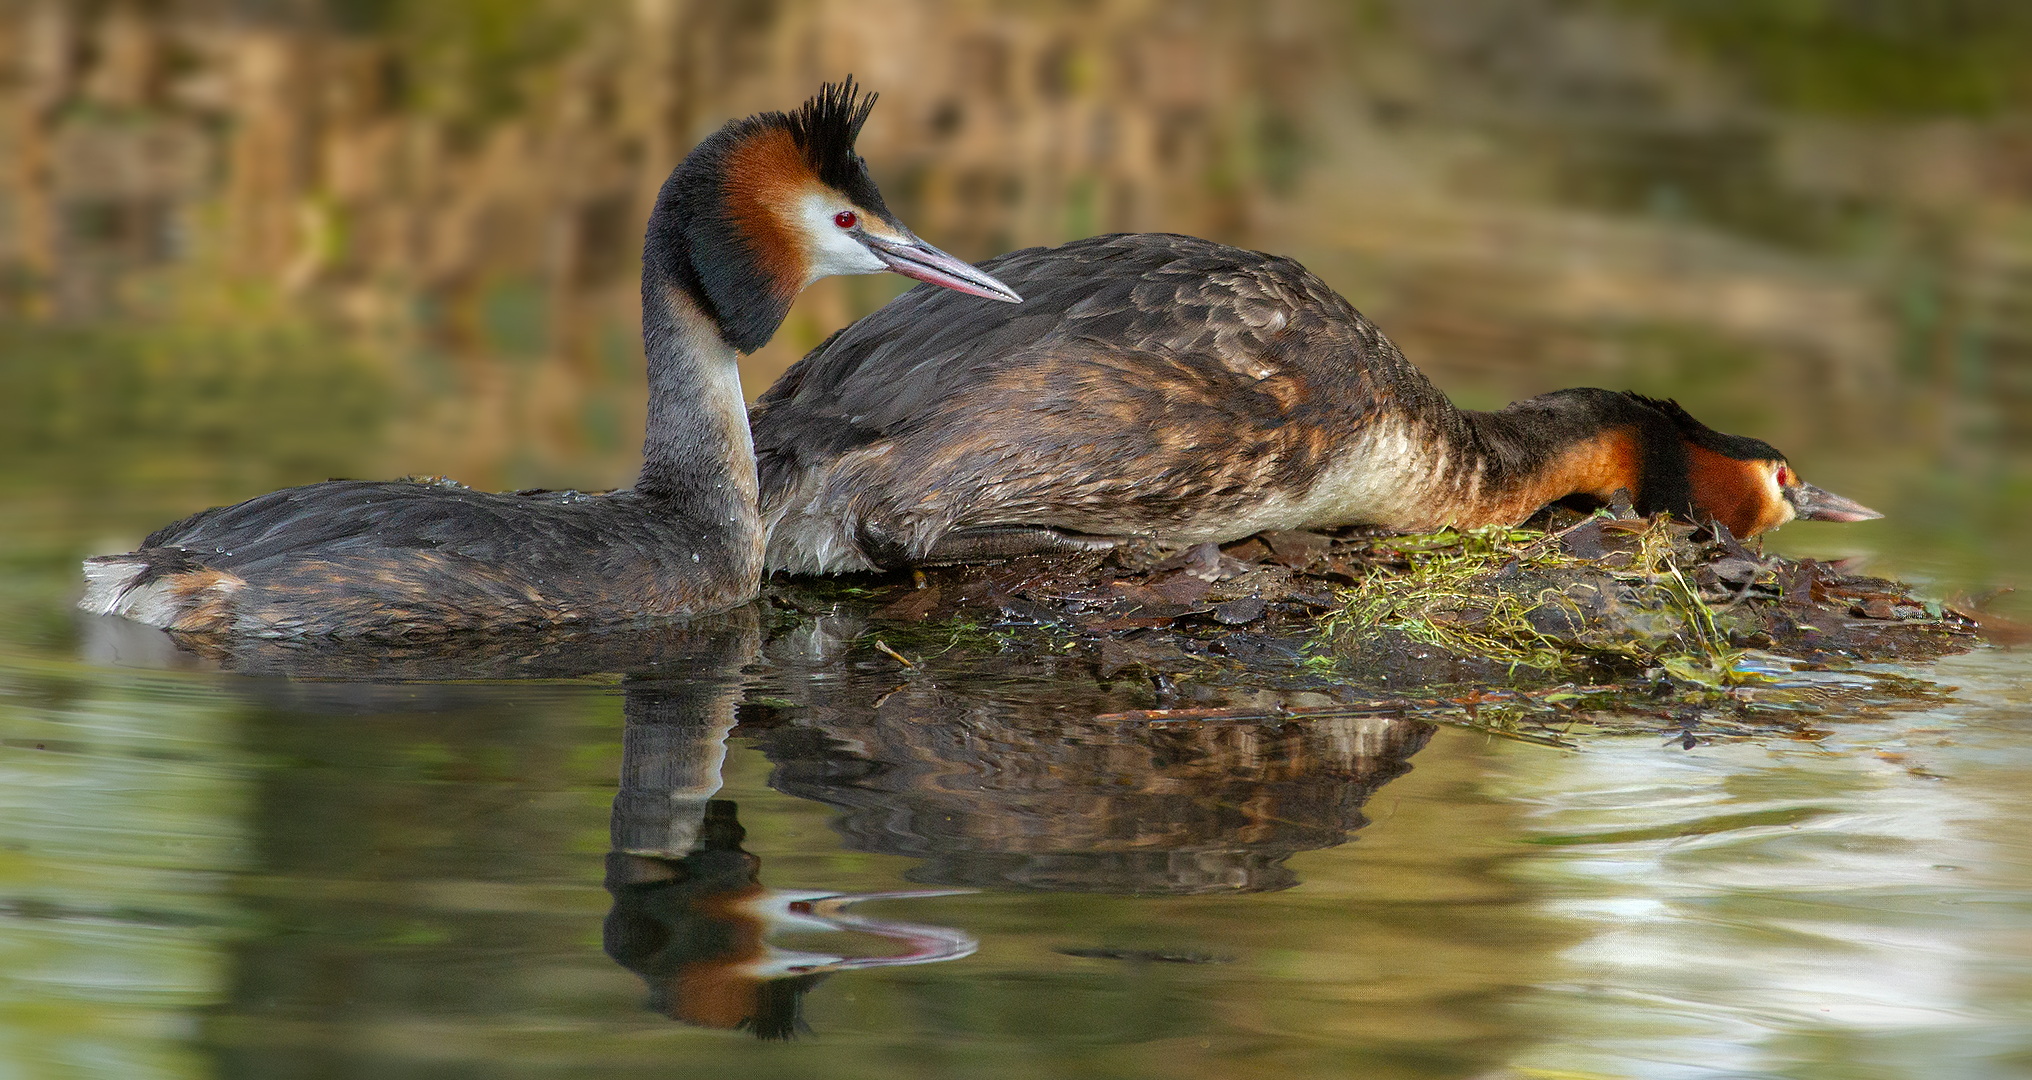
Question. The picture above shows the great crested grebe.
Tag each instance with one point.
(759, 210)
(1163, 387)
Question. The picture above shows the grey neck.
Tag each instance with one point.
(697, 453)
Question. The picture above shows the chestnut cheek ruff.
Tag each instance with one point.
(737, 258)
(1731, 491)
(764, 173)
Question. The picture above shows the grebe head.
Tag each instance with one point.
(1744, 483)
(767, 205)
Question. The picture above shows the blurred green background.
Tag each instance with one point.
(252, 243)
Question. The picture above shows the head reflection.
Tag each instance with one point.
(694, 928)
(691, 916)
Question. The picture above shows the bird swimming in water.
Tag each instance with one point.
(756, 212)
(1162, 387)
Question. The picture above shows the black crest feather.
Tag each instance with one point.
(825, 128)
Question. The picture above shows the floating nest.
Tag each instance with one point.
(1592, 623)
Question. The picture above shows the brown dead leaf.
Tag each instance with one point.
(1296, 549)
(1251, 550)
(919, 605)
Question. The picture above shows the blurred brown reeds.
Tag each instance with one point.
(1524, 192)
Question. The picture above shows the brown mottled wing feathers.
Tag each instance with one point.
(1147, 378)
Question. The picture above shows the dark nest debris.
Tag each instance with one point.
(1598, 624)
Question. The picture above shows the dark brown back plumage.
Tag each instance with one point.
(1176, 354)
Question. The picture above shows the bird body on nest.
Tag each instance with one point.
(756, 212)
(1163, 387)
(408, 558)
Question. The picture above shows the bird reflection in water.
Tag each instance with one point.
(690, 914)
(1041, 792)
(1096, 808)
(998, 772)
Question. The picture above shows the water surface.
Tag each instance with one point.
(628, 873)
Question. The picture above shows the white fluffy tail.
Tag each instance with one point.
(157, 587)
(108, 579)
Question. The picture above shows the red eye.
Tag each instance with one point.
(845, 219)
(1784, 476)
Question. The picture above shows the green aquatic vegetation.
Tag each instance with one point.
(1525, 599)
(1435, 600)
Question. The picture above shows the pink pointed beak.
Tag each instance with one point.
(917, 259)
(1812, 504)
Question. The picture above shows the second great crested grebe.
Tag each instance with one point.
(1168, 388)
(759, 210)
